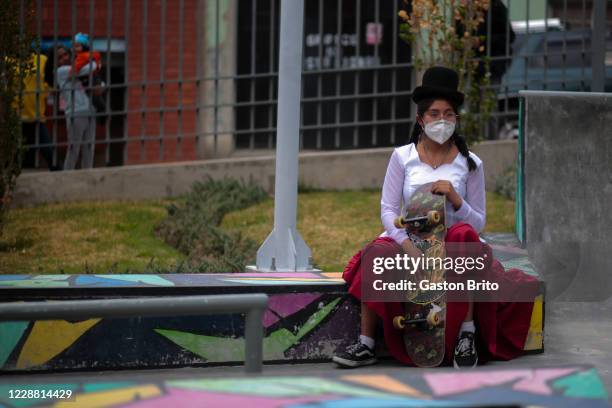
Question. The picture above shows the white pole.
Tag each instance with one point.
(284, 249)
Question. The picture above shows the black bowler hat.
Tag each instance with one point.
(439, 82)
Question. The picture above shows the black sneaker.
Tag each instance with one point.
(465, 351)
(355, 355)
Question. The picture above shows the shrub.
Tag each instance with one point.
(15, 43)
(505, 184)
(445, 32)
(192, 226)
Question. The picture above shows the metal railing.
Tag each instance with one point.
(253, 305)
(193, 79)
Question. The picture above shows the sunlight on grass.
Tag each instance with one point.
(335, 225)
(118, 237)
(84, 237)
(500, 214)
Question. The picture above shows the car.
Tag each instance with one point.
(557, 60)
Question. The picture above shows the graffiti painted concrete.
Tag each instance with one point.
(558, 387)
(309, 317)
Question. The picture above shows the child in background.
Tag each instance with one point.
(81, 49)
(82, 57)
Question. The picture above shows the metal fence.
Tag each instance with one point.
(195, 79)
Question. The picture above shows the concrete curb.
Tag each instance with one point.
(336, 170)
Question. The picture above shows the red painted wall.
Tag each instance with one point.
(150, 124)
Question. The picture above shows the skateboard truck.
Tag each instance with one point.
(433, 319)
(418, 223)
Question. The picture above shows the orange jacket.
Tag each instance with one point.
(82, 59)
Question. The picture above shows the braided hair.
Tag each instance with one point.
(456, 138)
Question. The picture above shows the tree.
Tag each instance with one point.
(445, 32)
(15, 46)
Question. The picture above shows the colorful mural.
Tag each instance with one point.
(309, 317)
(298, 326)
(557, 387)
(183, 280)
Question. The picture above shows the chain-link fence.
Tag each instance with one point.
(176, 80)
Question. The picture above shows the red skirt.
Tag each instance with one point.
(501, 327)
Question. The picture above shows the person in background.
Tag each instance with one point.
(79, 111)
(94, 86)
(82, 53)
(33, 115)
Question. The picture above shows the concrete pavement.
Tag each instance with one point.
(577, 335)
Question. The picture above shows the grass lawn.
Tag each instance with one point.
(118, 236)
(90, 237)
(337, 224)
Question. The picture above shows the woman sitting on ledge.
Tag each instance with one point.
(438, 154)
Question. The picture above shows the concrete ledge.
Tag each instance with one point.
(338, 170)
(303, 323)
(309, 317)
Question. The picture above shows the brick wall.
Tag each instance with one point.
(163, 90)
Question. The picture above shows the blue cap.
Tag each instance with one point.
(82, 38)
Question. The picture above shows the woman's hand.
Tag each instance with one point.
(445, 187)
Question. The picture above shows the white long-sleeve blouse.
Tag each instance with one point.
(406, 172)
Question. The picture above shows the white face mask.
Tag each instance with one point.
(440, 131)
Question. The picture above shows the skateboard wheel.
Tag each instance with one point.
(433, 217)
(399, 222)
(399, 322)
(433, 319)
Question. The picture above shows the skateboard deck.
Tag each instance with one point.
(423, 321)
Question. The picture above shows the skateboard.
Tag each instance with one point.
(423, 321)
